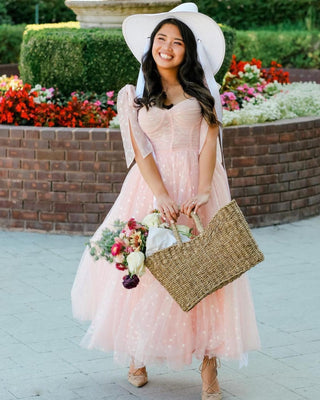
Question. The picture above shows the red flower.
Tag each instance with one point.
(18, 107)
(116, 249)
(121, 267)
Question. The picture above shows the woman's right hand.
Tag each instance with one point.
(168, 208)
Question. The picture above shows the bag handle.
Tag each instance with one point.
(196, 220)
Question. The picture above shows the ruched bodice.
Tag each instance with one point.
(173, 129)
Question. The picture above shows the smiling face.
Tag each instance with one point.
(168, 48)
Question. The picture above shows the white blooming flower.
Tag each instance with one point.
(153, 219)
(135, 262)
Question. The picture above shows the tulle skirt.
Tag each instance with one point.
(145, 324)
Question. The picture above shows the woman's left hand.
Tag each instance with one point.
(194, 203)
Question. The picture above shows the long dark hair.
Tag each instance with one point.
(190, 75)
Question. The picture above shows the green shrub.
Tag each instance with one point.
(251, 14)
(84, 59)
(10, 42)
(295, 49)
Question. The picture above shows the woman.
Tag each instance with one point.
(169, 125)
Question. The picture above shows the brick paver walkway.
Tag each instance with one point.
(39, 353)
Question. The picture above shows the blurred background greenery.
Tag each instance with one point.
(24, 11)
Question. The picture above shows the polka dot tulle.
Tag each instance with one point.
(145, 323)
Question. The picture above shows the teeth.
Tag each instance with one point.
(165, 56)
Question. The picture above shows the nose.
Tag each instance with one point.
(167, 45)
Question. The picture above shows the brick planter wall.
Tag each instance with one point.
(66, 180)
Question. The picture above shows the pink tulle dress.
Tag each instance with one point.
(145, 324)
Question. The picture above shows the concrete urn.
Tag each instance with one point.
(111, 13)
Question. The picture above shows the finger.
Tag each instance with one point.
(189, 209)
(172, 214)
(176, 210)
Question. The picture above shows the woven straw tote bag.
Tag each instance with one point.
(218, 255)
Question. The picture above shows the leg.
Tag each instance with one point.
(210, 384)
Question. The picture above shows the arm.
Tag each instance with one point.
(207, 163)
(149, 170)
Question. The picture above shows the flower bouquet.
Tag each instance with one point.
(128, 245)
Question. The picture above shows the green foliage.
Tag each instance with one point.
(10, 42)
(85, 59)
(252, 14)
(23, 11)
(294, 49)
(4, 17)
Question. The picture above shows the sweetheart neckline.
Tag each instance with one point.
(176, 105)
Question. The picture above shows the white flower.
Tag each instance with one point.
(153, 219)
(114, 123)
(135, 262)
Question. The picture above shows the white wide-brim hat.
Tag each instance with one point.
(138, 28)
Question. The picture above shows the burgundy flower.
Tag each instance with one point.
(132, 224)
(130, 282)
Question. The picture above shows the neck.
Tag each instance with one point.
(169, 79)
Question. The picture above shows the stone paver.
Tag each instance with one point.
(40, 355)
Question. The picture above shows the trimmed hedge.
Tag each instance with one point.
(10, 42)
(296, 49)
(85, 59)
(251, 14)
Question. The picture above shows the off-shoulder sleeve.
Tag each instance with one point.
(128, 117)
(203, 136)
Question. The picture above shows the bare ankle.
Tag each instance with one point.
(209, 375)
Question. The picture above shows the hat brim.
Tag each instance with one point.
(137, 28)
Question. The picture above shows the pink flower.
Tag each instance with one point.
(110, 102)
(240, 89)
(127, 231)
(231, 96)
(120, 241)
(250, 91)
(116, 249)
(98, 103)
(110, 94)
(130, 249)
(85, 102)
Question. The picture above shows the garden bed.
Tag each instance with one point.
(66, 179)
